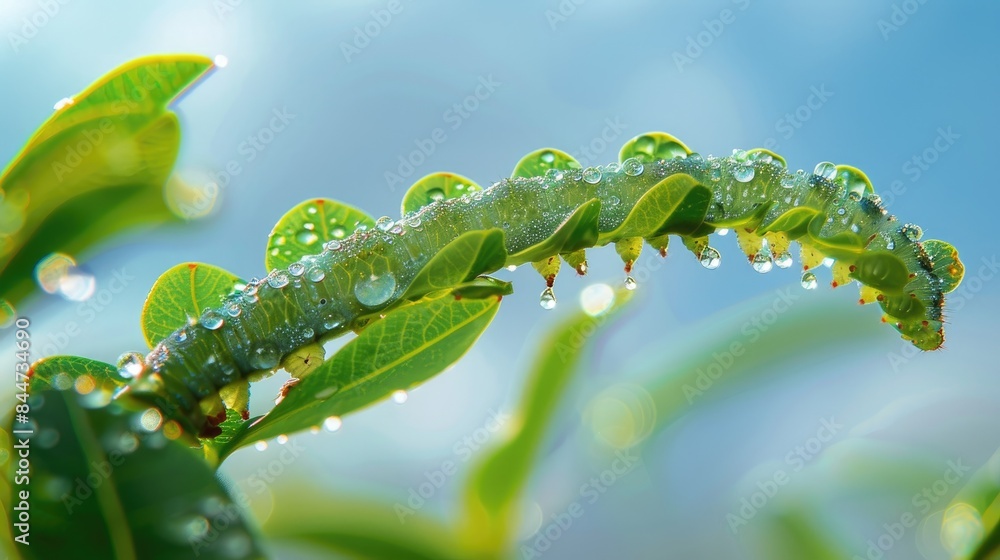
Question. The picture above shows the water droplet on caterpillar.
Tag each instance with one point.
(333, 246)
(384, 223)
(413, 222)
(787, 181)
(250, 289)
(710, 258)
(400, 396)
(277, 279)
(232, 309)
(762, 262)
(178, 336)
(553, 175)
(592, 175)
(375, 290)
(333, 423)
(547, 299)
(307, 237)
(632, 167)
(630, 283)
(316, 274)
(784, 260)
(612, 167)
(743, 172)
(809, 281)
(435, 195)
(911, 232)
(130, 364)
(613, 200)
(211, 320)
(825, 170)
(265, 357)
(296, 269)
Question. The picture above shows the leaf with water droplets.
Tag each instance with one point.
(493, 494)
(538, 162)
(62, 372)
(410, 345)
(676, 204)
(304, 230)
(653, 146)
(181, 292)
(112, 482)
(436, 187)
(463, 259)
(578, 231)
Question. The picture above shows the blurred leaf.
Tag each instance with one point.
(410, 345)
(305, 228)
(793, 533)
(434, 187)
(117, 134)
(62, 372)
(356, 528)
(460, 261)
(103, 484)
(181, 293)
(493, 495)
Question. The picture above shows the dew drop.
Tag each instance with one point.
(316, 274)
(630, 283)
(613, 200)
(787, 181)
(338, 232)
(296, 269)
(277, 279)
(211, 320)
(435, 194)
(612, 167)
(723, 231)
(130, 364)
(762, 262)
(250, 290)
(333, 423)
(911, 232)
(512, 267)
(233, 309)
(413, 222)
(265, 357)
(547, 157)
(179, 336)
(547, 299)
(64, 102)
(743, 173)
(809, 281)
(554, 175)
(307, 237)
(333, 246)
(632, 167)
(710, 258)
(784, 260)
(400, 396)
(384, 223)
(375, 290)
(592, 175)
(825, 170)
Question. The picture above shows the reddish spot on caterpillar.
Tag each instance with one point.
(628, 269)
(458, 297)
(663, 252)
(834, 284)
(880, 297)
(499, 298)
(805, 267)
(924, 323)
(913, 275)
(852, 268)
(861, 301)
(550, 280)
(245, 414)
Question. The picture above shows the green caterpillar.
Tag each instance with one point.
(549, 209)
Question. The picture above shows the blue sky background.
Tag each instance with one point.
(890, 88)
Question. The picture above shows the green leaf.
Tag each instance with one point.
(538, 162)
(660, 207)
(578, 231)
(460, 261)
(653, 146)
(493, 495)
(65, 372)
(182, 293)
(103, 483)
(434, 187)
(410, 345)
(80, 176)
(483, 287)
(303, 230)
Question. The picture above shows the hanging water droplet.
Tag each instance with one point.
(384, 223)
(547, 299)
(825, 170)
(512, 267)
(592, 175)
(630, 283)
(211, 320)
(233, 309)
(743, 172)
(911, 232)
(316, 274)
(277, 279)
(130, 364)
(435, 195)
(264, 357)
(809, 281)
(307, 237)
(64, 102)
(723, 231)
(296, 269)
(632, 167)
(762, 262)
(400, 396)
(375, 290)
(783, 260)
(710, 258)
(333, 423)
